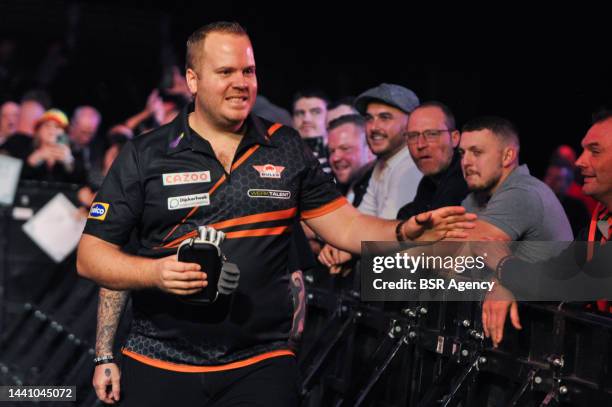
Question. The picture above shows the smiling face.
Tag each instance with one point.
(431, 157)
(595, 162)
(385, 127)
(224, 80)
(347, 151)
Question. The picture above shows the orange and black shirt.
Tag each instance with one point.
(164, 185)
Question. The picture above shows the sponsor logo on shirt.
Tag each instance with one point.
(268, 193)
(269, 170)
(179, 178)
(188, 201)
(98, 211)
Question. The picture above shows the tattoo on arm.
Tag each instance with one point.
(298, 292)
(107, 372)
(110, 306)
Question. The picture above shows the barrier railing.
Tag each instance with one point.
(435, 354)
(47, 328)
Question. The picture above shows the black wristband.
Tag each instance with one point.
(100, 360)
(500, 267)
(398, 230)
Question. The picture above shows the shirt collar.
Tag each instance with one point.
(604, 222)
(182, 137)
(519, 171)
(399, 157)
(453, 168)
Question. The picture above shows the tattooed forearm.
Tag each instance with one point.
(110, 306)
(298, 291)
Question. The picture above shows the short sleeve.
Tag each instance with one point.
(118, 205)
(368, 202)
(318, 194)
(513, 211)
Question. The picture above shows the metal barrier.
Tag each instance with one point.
(47, 310)
(435, 354)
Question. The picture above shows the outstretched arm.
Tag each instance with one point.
(346, 227)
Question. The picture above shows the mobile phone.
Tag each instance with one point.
(63, 139)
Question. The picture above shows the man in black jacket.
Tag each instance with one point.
(432, 140)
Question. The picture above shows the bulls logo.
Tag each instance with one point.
(269, 170)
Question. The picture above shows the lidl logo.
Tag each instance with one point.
(98, 211)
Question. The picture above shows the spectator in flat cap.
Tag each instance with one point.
(395, 177)
(390, 94)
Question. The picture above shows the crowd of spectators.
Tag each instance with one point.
(56, 147)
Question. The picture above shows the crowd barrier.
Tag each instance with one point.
(47, 311)
(421, 354)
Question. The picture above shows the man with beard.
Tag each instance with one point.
(395, 177)
(511, 205)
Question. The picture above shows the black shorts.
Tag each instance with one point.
(271, 382)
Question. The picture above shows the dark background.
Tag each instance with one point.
(545, 72)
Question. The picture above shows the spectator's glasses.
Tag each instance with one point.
(431, 136)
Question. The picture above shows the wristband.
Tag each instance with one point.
(500, 266)
(398, 230)
(100, 360)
